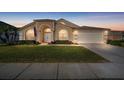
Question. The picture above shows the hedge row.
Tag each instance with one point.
(27, 42)
(30, 42)
(116, 42)
(62, 42)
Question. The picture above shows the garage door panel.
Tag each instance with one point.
(90, 37)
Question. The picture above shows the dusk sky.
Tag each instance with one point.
(114, 21)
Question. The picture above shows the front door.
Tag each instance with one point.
(47, 37)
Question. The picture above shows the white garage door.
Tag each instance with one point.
(90, 37)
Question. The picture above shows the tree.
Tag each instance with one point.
(8, 33)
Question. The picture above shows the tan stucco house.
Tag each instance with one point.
(48, 30)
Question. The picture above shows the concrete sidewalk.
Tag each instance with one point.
(55, 71)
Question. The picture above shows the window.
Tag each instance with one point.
(30, 34)
(47, 30)
(63, 35)
(63, 23)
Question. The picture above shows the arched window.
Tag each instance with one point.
(63, 35)
(63, 23)
(47, 30)
(30, 34)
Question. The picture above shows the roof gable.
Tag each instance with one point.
(28, 25)
(68, 23)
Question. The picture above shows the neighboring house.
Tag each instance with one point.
(116, 35)
(122, 35)
(47, 30)
(8, 33)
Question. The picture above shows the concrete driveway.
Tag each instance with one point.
(114, 54)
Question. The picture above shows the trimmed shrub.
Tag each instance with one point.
(27, 42)
(115, 42)
(62, 42)
(122, 44)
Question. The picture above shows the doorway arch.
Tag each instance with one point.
(47, 35)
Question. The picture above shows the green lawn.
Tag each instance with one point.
(30, 53)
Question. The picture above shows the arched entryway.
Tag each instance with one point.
(47, 35)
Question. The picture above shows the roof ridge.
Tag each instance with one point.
(44, 20)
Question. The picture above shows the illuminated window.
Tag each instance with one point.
(30, 34)
(47, 30)
(62, 23)
(63, 35)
